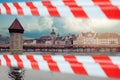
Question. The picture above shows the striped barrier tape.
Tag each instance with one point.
(100, 66)
(109, 9)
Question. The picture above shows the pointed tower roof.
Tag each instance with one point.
(53, 32)
(16, 27)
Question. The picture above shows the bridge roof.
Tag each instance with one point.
(63, 46)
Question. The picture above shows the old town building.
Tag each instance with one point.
(92, 38)
(53, 39)
(119, 39)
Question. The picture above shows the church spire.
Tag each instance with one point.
(53, 32)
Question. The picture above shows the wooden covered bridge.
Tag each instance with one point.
(65, 48)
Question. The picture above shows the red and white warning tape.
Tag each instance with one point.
(109, 9)
(102, 66)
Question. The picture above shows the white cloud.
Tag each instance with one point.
(77, 25)
(74, 25)
(40, 24)
(45, 23)
(84, 25)
(103, 23)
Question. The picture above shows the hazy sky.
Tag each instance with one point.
(39, 26)
(36, 26)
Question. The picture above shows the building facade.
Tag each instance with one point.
(53, 39)
(92, 38)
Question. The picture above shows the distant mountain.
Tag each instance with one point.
(4, 39)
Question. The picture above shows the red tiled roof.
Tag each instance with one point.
(16, 25)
